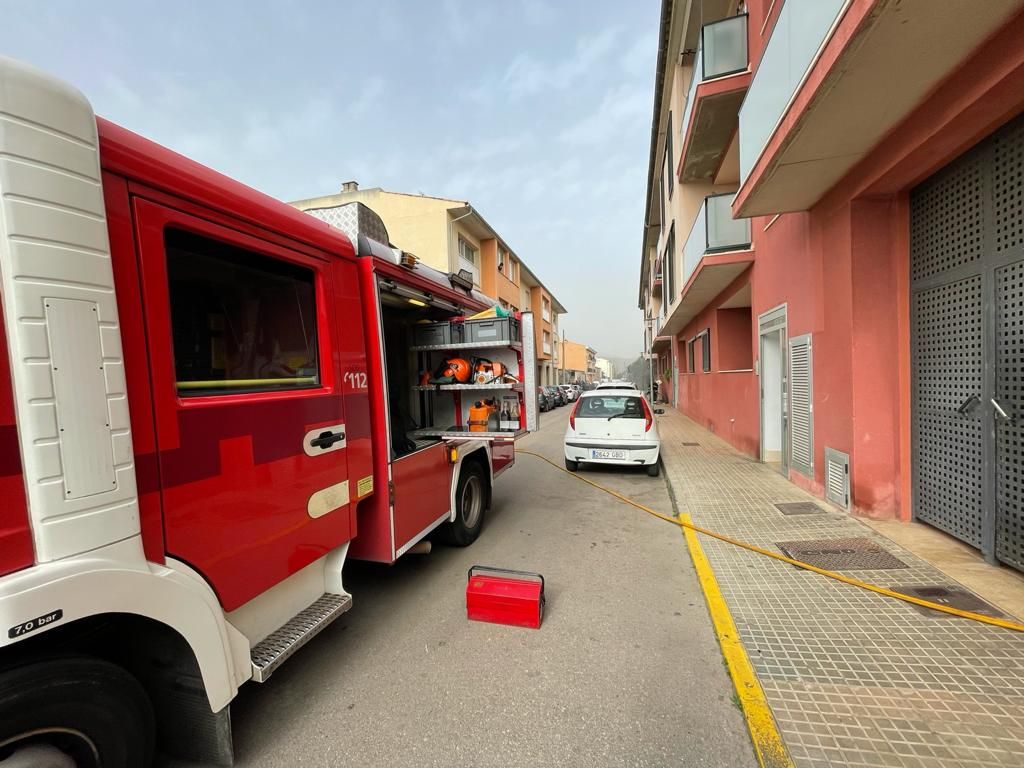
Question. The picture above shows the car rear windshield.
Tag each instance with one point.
(606, 406)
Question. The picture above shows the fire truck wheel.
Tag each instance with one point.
(470, 503)
(90, 710)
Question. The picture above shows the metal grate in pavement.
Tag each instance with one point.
(857, 554)
(951, 595)
(690, 445)
(799, 508)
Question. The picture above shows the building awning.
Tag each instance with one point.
(836, 77)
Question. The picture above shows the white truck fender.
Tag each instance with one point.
(115, 579)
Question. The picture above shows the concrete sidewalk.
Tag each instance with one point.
(853, 678)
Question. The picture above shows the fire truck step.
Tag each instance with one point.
(271, 652)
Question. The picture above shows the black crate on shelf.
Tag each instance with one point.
(493, 329)
(437, 334)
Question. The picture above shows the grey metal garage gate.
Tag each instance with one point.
(967, 346)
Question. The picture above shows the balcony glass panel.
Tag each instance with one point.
(724, 232)
(713, 230)
(691, 93)
(696, 244)
(798, 35)
(725, 46)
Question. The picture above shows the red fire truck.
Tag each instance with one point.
(208, 402)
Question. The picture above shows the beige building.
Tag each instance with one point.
(578, 362)
(451, 235)
(689, 231)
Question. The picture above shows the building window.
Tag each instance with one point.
(240, 321)
(546, 309)
(669, 158)
(547, 342)
(705, 349)
(513, 270)
(664, 218)
(469, 258)
(501, 260)
(690, 366)
(669, 261)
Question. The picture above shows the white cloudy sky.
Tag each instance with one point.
(537, 112)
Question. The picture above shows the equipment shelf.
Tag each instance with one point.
(462, 387)
(443, 410)
(464, 433)
(516, 345)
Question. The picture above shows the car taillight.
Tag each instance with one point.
(648, 416)
(572, 415)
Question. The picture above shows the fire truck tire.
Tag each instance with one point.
(470, 505)
(90, 709)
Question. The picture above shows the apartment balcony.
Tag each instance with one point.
(721, 76)
(657, 279)
(716, 252)
(836, 77)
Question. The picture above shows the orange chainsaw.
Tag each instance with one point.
(489, 372)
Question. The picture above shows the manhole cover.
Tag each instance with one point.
(799, 508)
(690, 444)
(951, 595)
(841, 554)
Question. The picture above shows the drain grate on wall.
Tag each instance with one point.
(951, 595)
(857, 554)
(799, 508)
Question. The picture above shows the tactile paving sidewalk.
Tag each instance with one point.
(853, 678)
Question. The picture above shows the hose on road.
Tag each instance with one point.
(979, 617)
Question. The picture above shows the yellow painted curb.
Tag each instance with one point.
(768, 745)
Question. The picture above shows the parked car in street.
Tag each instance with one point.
(544, 401)
(570, 392)
(616, 385)
(557, 396)
(613, 426)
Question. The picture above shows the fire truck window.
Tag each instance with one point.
(241, 322)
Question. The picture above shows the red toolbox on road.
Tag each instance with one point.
(501, 596)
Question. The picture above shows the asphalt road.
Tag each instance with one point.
(625, 671)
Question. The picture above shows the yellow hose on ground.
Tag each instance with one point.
(1005, 624)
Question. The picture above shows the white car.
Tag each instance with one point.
(616, 385)
(571, 393)
(613, 426)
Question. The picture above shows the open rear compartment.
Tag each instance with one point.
(450, 378)
(454, 390)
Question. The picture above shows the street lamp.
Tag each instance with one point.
(561, 379)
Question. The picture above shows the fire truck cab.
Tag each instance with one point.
(208, 402)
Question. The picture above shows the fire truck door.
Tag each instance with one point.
(423, 487)
(249, 416)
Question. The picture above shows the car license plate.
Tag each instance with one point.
(595, 454)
